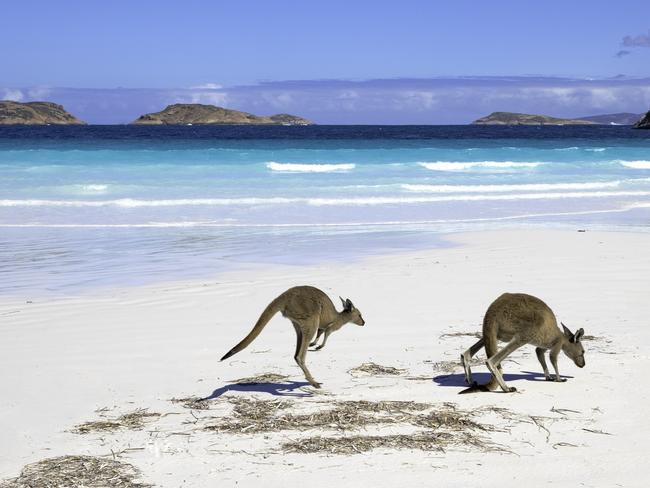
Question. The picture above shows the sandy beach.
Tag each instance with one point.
(97, 356)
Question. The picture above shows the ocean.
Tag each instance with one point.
(95, 206)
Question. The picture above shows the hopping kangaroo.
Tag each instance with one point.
(312, 313)
(519, 319)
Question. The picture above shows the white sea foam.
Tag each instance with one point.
(385, 223)
(89, 189)
(134, 203)
(509, 188)
(343, 201)
(467, 165)
(639, 205)
(309, 167)
(596, 149)
(635, 164)
(472, 198)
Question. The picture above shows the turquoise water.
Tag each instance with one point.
(114, 206)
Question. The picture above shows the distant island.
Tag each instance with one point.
(199, 114)
(35, 113)
(643, 122)
(511, 118)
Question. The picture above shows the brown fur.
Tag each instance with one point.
(519, 319)
(312, 313)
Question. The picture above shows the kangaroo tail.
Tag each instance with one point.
(475, 388)
(267, 314)
(490, 331)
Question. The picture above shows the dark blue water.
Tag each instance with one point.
(318, 134)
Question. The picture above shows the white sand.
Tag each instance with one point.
(60, 360)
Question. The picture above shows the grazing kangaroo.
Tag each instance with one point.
(312, 313)
(520, 319)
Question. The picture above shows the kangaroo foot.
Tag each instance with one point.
(557, 380)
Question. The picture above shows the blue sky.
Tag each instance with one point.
(141, 55)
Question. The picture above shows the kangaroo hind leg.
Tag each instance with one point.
(493, 363)
(466, 357)
(305, 331)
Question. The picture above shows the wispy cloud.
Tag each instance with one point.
(200, 96)
(12, 95)
(38, 92)
(642, 40)
(207, 86)
(622, 53)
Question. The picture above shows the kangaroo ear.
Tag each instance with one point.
(348, 305)
(579, 333)
(567, 332)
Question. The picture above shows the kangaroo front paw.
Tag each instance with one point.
(512, 389)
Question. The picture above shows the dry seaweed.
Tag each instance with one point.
(76, 471)
(357, 444)
(194, 403)
(376, 370)
(476, 335)
(588, 337)
(257, 416)
(451, 366)
(135, 420)
(450, 419)
(261, 378)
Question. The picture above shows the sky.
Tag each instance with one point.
(412, 61)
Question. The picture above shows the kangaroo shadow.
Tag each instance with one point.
(458, 379)
(289, 389)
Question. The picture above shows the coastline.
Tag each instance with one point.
(140, 347)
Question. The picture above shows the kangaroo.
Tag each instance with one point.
(312, 313)
(520, 319)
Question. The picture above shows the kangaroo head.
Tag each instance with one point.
(354, 315)
(572, 346)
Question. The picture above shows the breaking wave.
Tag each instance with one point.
(463, 166)
(635, 164)
(309, 168)
(509, 188)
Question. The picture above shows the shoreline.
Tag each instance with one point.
(379, 242)
(139, 347)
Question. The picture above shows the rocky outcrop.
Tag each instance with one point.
(35, 113)
(511, 118)
(643, 122)
(195, 113)
(287, 119)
